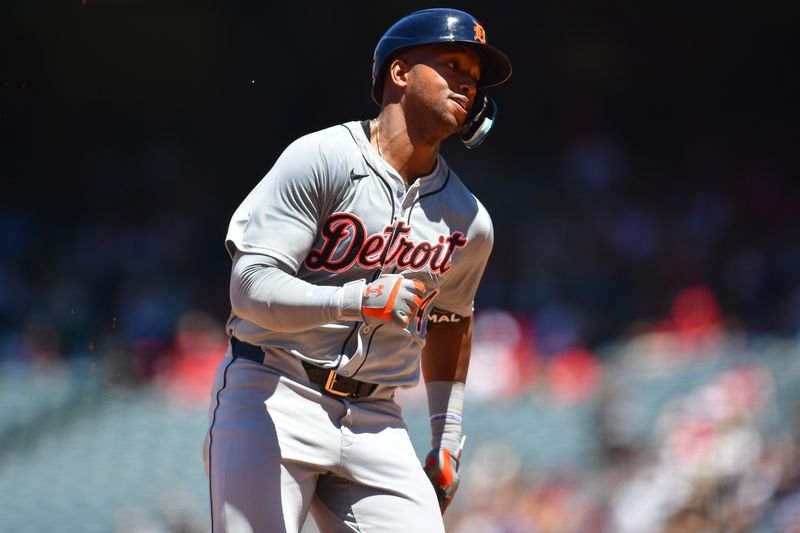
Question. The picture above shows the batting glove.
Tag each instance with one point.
(391, 298)
(442, 469)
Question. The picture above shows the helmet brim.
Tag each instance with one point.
(495, 65)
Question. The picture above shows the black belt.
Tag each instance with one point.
(329, 381)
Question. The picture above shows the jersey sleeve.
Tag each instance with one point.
(458, 288)
(281, 214)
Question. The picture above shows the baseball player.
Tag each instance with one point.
(355, 264)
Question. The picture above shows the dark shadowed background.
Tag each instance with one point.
(642, 177)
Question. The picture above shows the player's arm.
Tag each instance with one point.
(264, 291)
(445, 360)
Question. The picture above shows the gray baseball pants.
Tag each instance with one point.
(277, 448)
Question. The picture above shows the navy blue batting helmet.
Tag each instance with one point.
(439, 25)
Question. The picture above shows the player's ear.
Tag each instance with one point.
(398, 73)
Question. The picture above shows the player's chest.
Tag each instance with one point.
(386, 226)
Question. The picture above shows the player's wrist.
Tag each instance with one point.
(445, 405)
(350, 301)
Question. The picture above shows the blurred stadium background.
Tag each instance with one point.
(636, 364)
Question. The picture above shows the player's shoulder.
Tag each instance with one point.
(327, 148)
(324, 140)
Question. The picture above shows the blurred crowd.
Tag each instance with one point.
(719, 452)
(598, 244)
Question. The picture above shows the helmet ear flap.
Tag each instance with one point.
(479, 121)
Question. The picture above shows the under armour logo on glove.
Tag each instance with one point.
(373, 291)
(392, 298)
(442, 469)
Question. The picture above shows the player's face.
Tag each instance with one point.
(441, 86)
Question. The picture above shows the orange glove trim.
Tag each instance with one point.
(386, 312)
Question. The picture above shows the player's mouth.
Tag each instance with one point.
(462, 102)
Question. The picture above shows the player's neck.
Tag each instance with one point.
(411, 154)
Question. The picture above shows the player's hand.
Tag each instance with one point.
(391, 298)
(442, 469)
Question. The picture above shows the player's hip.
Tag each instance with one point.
(384, 355)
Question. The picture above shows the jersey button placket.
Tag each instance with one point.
(407, 199)
(399, 214)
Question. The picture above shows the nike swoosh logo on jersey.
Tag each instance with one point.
(354, 176)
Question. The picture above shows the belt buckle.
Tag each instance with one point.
(330, 382)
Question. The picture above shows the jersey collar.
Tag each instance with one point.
(428, 183)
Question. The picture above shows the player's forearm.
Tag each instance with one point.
(445, 406)
(444, 365)
(264, 294)
(447, 351)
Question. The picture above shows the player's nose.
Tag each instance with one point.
(467, 86)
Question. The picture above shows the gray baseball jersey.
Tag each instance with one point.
(333, 211)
